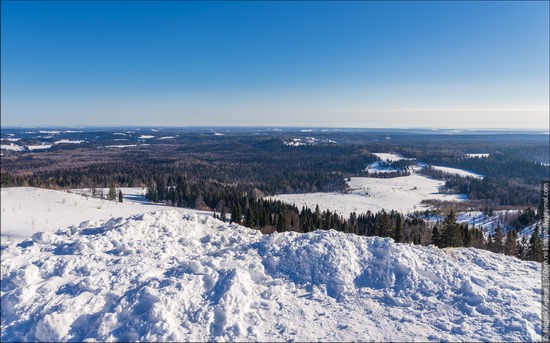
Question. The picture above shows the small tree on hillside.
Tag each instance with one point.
(498, 245)
(398, 235)
(384, 225)
(112, 191)
(535, 246)
(436, 237)
(452, 233)
(510, 247)
(236, 214)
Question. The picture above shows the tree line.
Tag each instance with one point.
(248, 207)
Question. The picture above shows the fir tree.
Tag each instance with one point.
(249, 219)
(498, 245)
(398, 235)
(236, 214)
(510, 247)
(112, 191)
(281, 222)
(222, 213)
(436, 237)
(452, 234)
(535, 246)
(384, 225)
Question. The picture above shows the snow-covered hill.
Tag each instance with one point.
(173, 276)
(27, 210)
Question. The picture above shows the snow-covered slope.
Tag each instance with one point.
(27, 210)
(460, 172)
(172, 276)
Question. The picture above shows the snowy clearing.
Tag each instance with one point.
(11, 147)
(391, 157)
(477, 155)
(39, 147)
(402, 194)
(457, 171)
(68, 141)
(380, 167)
(171, 276)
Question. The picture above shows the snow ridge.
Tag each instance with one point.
(172, 276)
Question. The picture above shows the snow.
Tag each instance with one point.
(12, 139)
(167, 137)
(27, 210)
(68, 141)
(457, 171)
(477, 155)
(380, 167)
(146, 137)
(403, 194)
(173, 276)
(391, 157)
(11, 147)
(39, 147)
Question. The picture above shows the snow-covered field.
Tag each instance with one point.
(12, 147)
(457, 171)
(173, 276)
(39, 147)
(27, 210)
(402, 194)
(477, 155)
(389, 157)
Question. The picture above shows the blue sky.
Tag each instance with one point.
(338, 64)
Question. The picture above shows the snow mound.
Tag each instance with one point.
(172, 276)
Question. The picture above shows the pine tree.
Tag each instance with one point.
(452, 234)
(398, 235)
(385, 227)
(535, 246)
(436, 237)
(498, 246)
(222, 213)
(249, 219)
(112, 191)
(281, 222)
(510, 247)
(523, 248)
(152, 194)
(236, 214)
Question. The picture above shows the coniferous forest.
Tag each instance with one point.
(233, 176)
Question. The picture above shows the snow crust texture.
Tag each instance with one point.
(172, 276)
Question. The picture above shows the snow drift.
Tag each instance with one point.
(168, 276)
